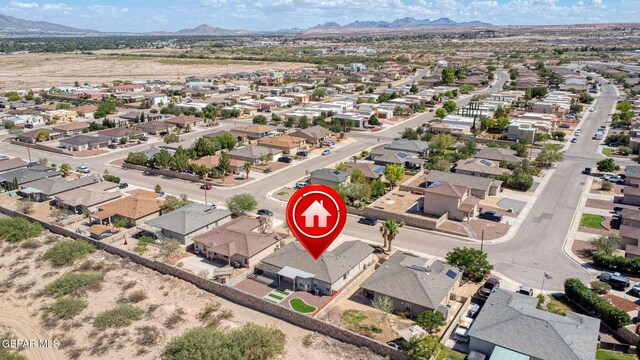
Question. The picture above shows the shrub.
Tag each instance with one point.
(600, 287)
(616, 263)
(66, 307)
(251, 341)
(111, 178)
(72, 282)
(147, 335)
(68, 251)
(137, 296)
(143, 242)
(17, 229)
(606, 185)
(119, 316)
(580, 294)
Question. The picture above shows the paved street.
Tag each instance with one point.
(536, 248)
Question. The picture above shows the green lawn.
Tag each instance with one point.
(275, 296)
(558, 304)
(606, 152)
(592, 221)
(449, 354)
(610, 355)
(300, 306)
(282, 292)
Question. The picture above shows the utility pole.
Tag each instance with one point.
(205, 195)
(29, 153)
(482, 241)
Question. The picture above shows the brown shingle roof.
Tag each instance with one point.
(284, 141)
(71, 126)
(447, 189)
(135, 206)
(236, 237)
(182, 120)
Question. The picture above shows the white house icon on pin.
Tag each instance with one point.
(316, 209)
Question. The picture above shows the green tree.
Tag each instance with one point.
(357, 176)
(260, 120)
(475, 263)
(172, 203)
(377, 188)
(241, 204)
(203, 147)
(607, 243)
(224, 164)
(470, 147)
(441, 142)
(431, 321)
(65, 169)
(162, 159)
(389, 230)
(373, 120)
(43, 135)
(520, 148)
(384, 305)
(171, 138)
(450, 106)
(624, 106)
(448, 76)
(105, 109)
(118, 222)
(157, 188)
(319, 94)
(246, 167)
(442, 164)
(422, 347)
(410, 134)
(168, 249)
(393, 173)
(441, 112)
(549, 155)
(607, 165)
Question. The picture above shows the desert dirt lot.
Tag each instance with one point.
(171, 307)
(28, 71)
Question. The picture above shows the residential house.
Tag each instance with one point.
(33, 136)
(314, 135)
(84, 142)
(22, 120)
(632, 175)
(182, 121)
(55, 116)
(115, 134)
(629, 227)
(136, 208)
(253, 132)
(479, 167)
(71, 128)
(523, 131)
(370, 171)
(509, 326)
(239, 240)
(43, 189)
(287, 144)
(293, 268)
(157, 99)
(11, 180)
(212, 161)
(185, 223)
(382, 156)
(497, 154)
(329, 177)
(140, 116)
(480, 187)
(155, 127)
(80, 199)
(414, 147)
(426, 285)
(452, 129)
(86, 110)
(253, 153)
(12, 164)
(455, 201)
(631, 195)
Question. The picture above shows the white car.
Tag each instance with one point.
(613, 178)
(84, 169)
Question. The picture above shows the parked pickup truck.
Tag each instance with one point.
(462, 330)
(616, 280)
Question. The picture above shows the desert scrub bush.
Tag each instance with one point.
(208, 311)
(30, 244)
(147, 335)
(73, 282)
(120, 316)
(136, 296)
(18, 229)
(68, 251)
(143, 242)
(307, 340)
(128, 285)
(66, 307)
(176, 317)
(251, 341)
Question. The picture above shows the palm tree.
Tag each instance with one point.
(247, 168)
(65, 169)
(389, 230)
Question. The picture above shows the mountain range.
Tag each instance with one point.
(15, 26)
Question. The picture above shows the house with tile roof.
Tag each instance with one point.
(71, 128)
(155, 127)
(136, 208)
(314, 135)
(287, 144)
(510, 323)
(455, 201)
(253, 132)
(237, 240)
(183, 120)
(212, 161)
(292, 267)
(185, 223)
(426, 284)
(479, 186)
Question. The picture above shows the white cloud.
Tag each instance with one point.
(596, 2)
(56, 7)
(24, 5)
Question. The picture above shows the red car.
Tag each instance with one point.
(206, 187)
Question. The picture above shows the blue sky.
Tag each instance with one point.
(149, 15)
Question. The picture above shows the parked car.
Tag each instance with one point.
(578, 132)
(473, 310)
(574, 140)
(112, 146)
(143, 138)
(368, 220)
(328, 143)
(4, 157)
(326, 152)
(28, 126)
(564, 126)
(491, 215)
(301, 184)
(84, 169)
(618, 209)
(489, 287)
(462, 330)
(123, 185)
(635, 290)
(525, 290)
(266, 212)
(206, 187)
(587, 171)
(285, 159)
(613, 178)
(164, 133)
(616, 280)
(432, 110)
(302, 153)
(592, 109)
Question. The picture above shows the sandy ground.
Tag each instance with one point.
(28, 71)
(23, 276)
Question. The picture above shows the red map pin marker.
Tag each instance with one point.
(316, 215)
